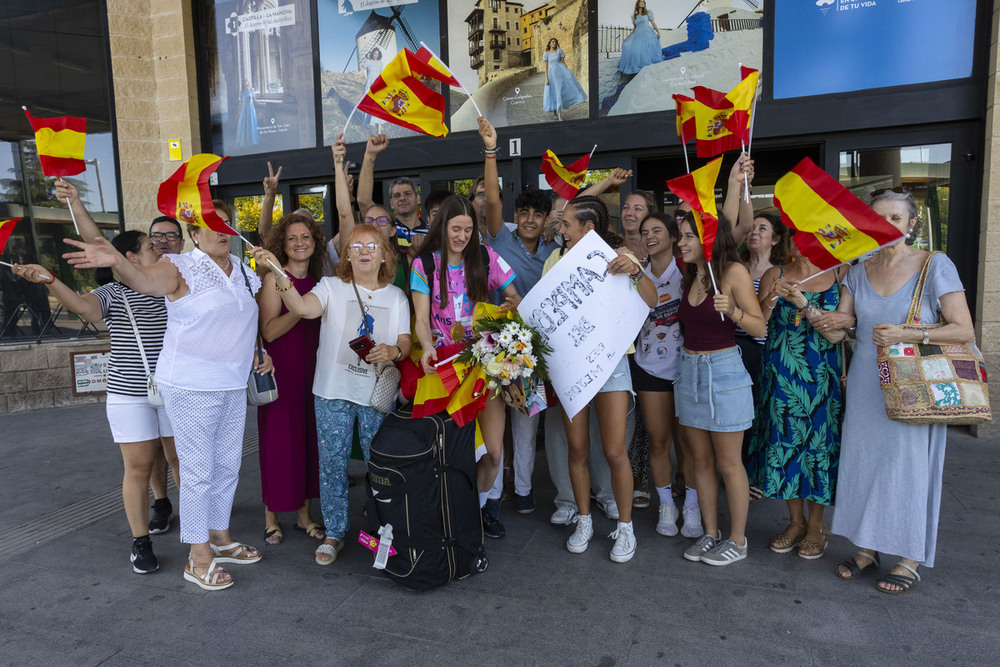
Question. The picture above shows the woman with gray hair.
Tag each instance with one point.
(889, 484)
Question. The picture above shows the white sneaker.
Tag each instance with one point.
(577, 542)
(667, 524)
(563, 516)
(610, 508)
(624, 547)
(692, 521)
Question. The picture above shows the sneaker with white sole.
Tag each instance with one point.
(563, 516)
(143, 560)
(699, 548)
(624, 539)
(692, 521)
(667, 524)
(610, 508)
(725, 552)
(577, 542)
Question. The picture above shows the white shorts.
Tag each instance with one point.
(133, 419)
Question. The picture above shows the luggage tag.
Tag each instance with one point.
(373, 544)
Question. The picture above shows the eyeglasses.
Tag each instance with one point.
(898, 190)
(371, 247)
(381, 222)
(680, 215)
(173, 236)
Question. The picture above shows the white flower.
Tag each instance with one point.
(525, 336)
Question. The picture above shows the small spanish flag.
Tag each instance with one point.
(742, 98)
(470, 398)
(698, 190)
(426, 56)
(686, 124)
(6, 229)
(568, 180)
(60, 142)
(398, 96)
(832, 226)
(185, 195)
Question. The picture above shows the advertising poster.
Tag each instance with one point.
(262, 77)
(587, 316)
(650, 50)
(356, 40)
(503, 52)
(829, 46)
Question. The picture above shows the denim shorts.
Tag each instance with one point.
(621, 378)
(714, 392)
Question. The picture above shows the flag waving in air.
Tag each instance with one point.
(568, 180)
(398, 96)
(6, 229)
(60, 142)
(698, 190)
(427, 57)
(832, 225)
(686, 124)
(185, 195)
(742, 98)
(716, 129)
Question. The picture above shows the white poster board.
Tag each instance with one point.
(588, 317)
(90, 371)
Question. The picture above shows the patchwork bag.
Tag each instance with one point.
(932, 384)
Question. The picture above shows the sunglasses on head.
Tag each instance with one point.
(900, 190)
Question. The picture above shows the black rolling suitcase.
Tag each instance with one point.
(422, 481)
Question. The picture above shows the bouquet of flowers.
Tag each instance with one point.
(512, 356)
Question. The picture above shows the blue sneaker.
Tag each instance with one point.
(493, 508)
(525, 504)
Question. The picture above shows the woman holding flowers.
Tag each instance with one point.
(454, 273)
(581, 216)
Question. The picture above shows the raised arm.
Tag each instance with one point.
(267, 206)
(617, 178)
(88, 228)
(491, 178)
(307, 307)
(87, 306)
(366, 179)
(345, 213)
(735, 208)
(160, 279)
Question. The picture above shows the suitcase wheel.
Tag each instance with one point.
(480, 563)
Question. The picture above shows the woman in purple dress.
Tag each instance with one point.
(289, 459)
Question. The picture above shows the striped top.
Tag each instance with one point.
(126, 375)
(744, 334)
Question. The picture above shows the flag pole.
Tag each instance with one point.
(349, 117)
(746, 179)
(252, 246)
(452, 74)
(711, 274)
(12, 266)
(687, 165)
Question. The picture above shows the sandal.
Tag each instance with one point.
(210, 580)
(241, 554)
(273, 535)
(314, 530)
(855, 570)
(782, 543)
(817, 548)
(330, 550)
(901, 580)
(640, 499)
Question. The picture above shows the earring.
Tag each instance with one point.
(383, 260)
(909, 234)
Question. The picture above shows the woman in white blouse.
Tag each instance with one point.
(202, 372)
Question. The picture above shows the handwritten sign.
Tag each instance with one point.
(589, 318)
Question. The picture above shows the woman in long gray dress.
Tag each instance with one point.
(889, 486)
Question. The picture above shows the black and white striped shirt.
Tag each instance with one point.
(126, 374)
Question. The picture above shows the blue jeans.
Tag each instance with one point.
(335, 429)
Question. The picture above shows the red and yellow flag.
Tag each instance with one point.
(698, 190)
(398, 96)
(6, 229)
(427, 57)
(686, 124)
(568, 180)
(60, 143)
(832, 225)
(742, 98)
(433, 392)
(185, 195)
(470, 397)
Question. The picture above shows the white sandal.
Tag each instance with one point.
(210, 580)
(330, 550)
(240, 553)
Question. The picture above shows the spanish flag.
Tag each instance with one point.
(832, 226)
(742, 98)
(698, 190)
(470, 398)
(686, 125)
(399, 96)
(712, 110)
(60, 143)
(6, 229)
(568, 180)
(427, 57)
(185, 195)
(432, 393)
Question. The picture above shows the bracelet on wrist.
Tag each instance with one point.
(742, 314)
(283, 289)
(52, 278)
(399, 353)
(491, 151)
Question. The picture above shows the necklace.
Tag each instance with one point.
(368, 292)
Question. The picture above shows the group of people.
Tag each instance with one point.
(739, 367)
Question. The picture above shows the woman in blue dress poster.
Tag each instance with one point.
(246, 125)
(642, 46)
(562, 90)
(373, 69)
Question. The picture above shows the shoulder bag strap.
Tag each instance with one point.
(260, 345)
(135, 330)
(364, 315)
(918, 293)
